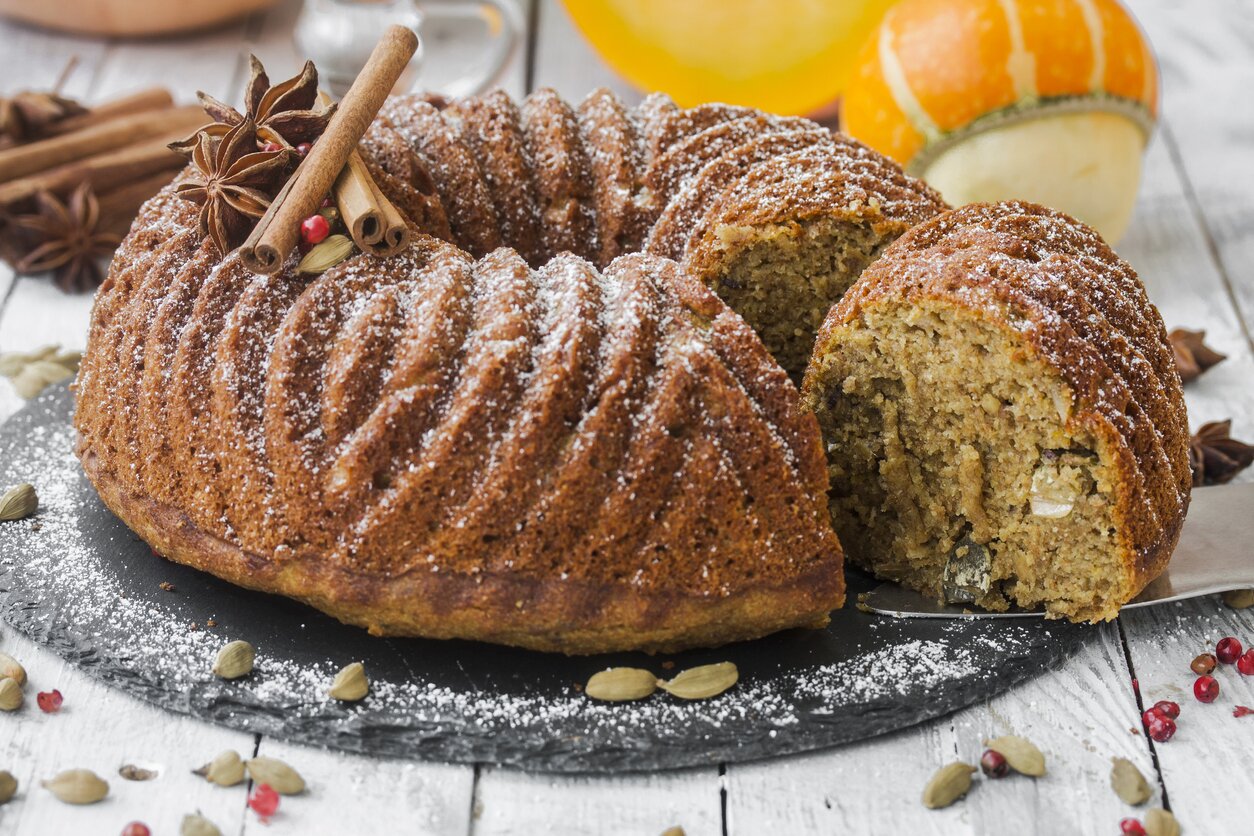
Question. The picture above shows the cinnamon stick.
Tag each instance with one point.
(154, 98)
(104, 171)
(396, 232)
(356, 199)
(120, 131)
(274, 237)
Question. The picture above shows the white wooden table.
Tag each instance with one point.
(1193, 244)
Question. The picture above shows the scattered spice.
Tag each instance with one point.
(8, 786)
(1020, 753)
(1206, 689)
(322, 257)
(702, 682)
(131, 772)
(1228, 650)
(18, 502)
(1215, 456)
(350, 684)
(1131, 827)
(264, 801)
(235, 659)
(1239, 599)
(950, 783)
(30, 114)
(1203, 663)
(233, 183)
(1128, 782)
(12, 669)
(166, 586)
(49, 701)
(1160, 822)
(78, 786)
(621, 684)
(277, 774)
(1193, 356)
(1167, 708)
(10, 694)
(195, 824)
(1242, 711)
(225, 770)
(68, 240)
(136, 828)
(993, 764)
(1245, 664)
(284, 113)
(674, 831)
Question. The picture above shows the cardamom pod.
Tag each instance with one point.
(1128, 782)
(621, 684)
(235, 659)
(674, 831)
(18, 502)
(281, 777)
(10, 694)
(702, 682)
(226, 770)
(1019, 752)
(131, 772)
(950, 783)
(39, 375)
(324, 256)
(11, 668)
(1160, 822)
(8, 786)
(78, 786)
(350, 684)
(1239, 599)
(12, 362)
(195, 824)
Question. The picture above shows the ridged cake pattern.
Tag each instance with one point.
(517, 445)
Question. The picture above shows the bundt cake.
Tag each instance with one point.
(1002, 416)
(527, 427)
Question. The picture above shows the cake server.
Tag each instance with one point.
(1215, 554)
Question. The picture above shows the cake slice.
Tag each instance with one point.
(1002, 420)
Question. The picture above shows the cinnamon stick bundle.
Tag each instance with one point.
(117, 132)
(154, 98)
(104, 171)
(275, 235)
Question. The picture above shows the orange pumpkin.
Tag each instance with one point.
(1048, 100)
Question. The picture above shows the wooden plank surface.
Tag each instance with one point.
(1192, 242)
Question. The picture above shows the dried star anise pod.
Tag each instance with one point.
(284, 114)
(1193, 355)
(1215, 456)
(233, 183)
(27, 115)
(67, 239)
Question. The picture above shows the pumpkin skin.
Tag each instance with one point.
(1045, 100)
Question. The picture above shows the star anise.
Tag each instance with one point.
(284, 114)
(67, 239)
(29, 114)
(233, 183)
(1193, 355)
(1215, 456)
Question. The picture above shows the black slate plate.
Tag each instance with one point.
(78, 581)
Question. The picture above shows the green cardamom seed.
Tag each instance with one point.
(78, 786)
(621, 684)
(281, 777)
(226, 770)
(702, 682)
(10, 694)
(350, 684)
(1160, 822)
(950, 783)
(1128, 782)
(11, 668)
(18, 502)
(195, 824)
(1239, 599)
(324, 256)
(8, 786)
(1020, 753)
(235, 659)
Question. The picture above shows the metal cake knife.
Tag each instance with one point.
(1215, 554)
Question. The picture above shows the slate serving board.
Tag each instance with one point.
(75, 579)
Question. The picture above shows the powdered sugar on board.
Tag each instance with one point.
(74, 578)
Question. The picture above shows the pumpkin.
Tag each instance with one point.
(1046, 100)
